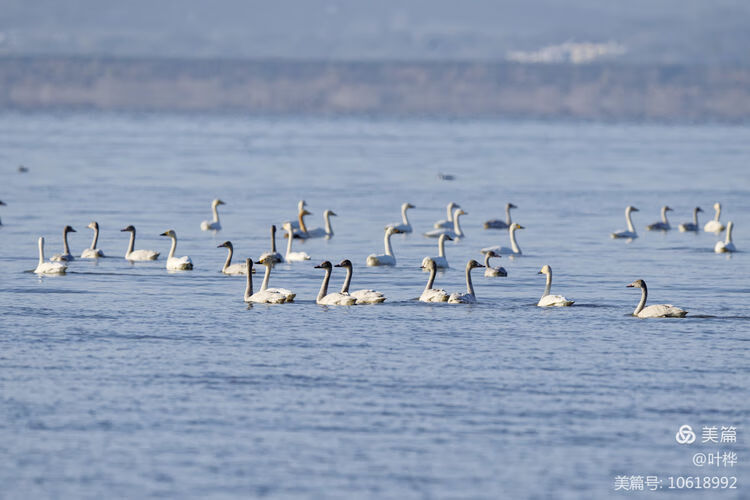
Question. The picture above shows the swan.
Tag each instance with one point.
(300, 231)
(630, 232)
(548, 300)
(489, 271)
(131, 254)
(264, 296)
(691, 226)
(331, 299)
(447, 223)
(430, 294)
(268, 262)
(655, 311)
(301, 204)
(93, 252)
(514, 248)
(293, 256)
(663, 225)
(66, 255)
(714, 226)
(213, 225)
(499, 223)
(176, 263)
(405, 226)
(387, 259)
(726, 245)
(319, 232)
(48, 267)
(469, 297)
(273, 254)
(454, 233)
(229, 268)
(362, 296)
(440, 260)
(1, 205)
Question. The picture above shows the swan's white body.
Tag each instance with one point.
(288, 294)
(327, 231)
(440, 261)
(499, 223)
(491, 272)
(630, 231)
(662, 225)
(48, 267)
(448, 222)
(455, 232)
(229, 268)
(727, 245)
(268, 296)
(92, 252)
(514, 248)
(362, 296)
(213, 225)
(405, 226)
(547, 299)
(66, 256)
(714, 225)
(386, 259)
(275, 256)
(332, 299)
(691, 226)
(469, 297)
(176, 263)
(655, 311)
(292, 256)
(430, 294)
(137, 255)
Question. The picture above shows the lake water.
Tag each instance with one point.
(125, 381)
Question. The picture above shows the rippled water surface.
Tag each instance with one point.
(121, 380)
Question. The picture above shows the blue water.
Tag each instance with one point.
(125, 381)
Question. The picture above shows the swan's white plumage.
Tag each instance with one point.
(137, 255)
(213, 225)
(454, 232)
(434, 295)
(362, 296)
(440, 261)
(332, 299)
(714, 225)
(662, 225)
(386, 259)
(469, 297)
(630, 232)
(405, 225)
(655, 311)
(514, 249)
(691, 226)
(499, 223)
(448, 222)
(293, 256)
(492, 272)
(726, 246)
(48, 267)
(176, 263)
(264, 296)
(65, 256)
(547, 299)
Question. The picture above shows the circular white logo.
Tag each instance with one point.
(685, 435)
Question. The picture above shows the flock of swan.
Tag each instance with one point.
(445, 230)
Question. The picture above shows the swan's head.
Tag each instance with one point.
(545, 270)
(328, 213)
(428, 264)
(493, 253)
(301, 204)
(68, 229)
(667, 208)
(170, 233)
(324, 265)
(510, 205)
(717, 206)
(637, 284)
(407, 205)
(287, 226)
(2, 203)
(344, 263)
(698, 209)
(93, 225)
(515, 226)
(392, 230)
(226, 244)
(217, 202)
(453, 205)
(266, 261)
(129, 229)
(631, 208)
(473, 264)
(459, 211)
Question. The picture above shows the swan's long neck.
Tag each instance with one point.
(329, 230)
(431, 279)
(347, 280)
(403, 215)
(66, 250)
(174, 247)
(507, 214)
(630, 222)
(131, 244)
(664, 215)
(457, 226)
(302, 226)
(96, 238)
(273, 239)
(487, 260)
(387, 243)
(728, 239)
(289, 243)
(718, 213)
(642, 303)
(449, 211)
(513, 243)
(266, 277)
(469, 284)
(324, 287)
(41, 250)
(215, 209)
(695, 216)
(548, 287)
(249, 286)
(229, 258)
(441, 246)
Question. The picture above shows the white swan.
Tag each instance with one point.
(362, 296)
(655, 311)
(499, 223)
(387, 259)
(66, 255)
(131, 254)
(514, 248)
(48, 267)
(489, 271)
(299, 230)
(213, 225)
(273, 254)
(301, 204)
(176, 263)
(726, 245)
(469, 297)
(269, 263)
(331, 299)
(447, 223)
(548, 300)
(326, 231)
(714, 226)
(630, 232)
(405, 226)
(430, 294)
(229, 268)
(440, 260)
(293, 256)
(662, 225)
(691, 226)
(264, 296)
(454, 233)
(93, 252)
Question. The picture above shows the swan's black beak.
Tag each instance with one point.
(163, 234)
(334, 214)
(543, 273)
(336, 265)
(318, 267)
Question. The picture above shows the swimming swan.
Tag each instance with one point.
(93, 252)
(301, 204)
(268, 262)
(320, 232)
(548, 300)
(214, 225)
(331, 299)
(691, 226)
(293, 256)
(726, 245)
(133, 255)
(300, 231)
(273, 254)
(663, 225)
(387, 259)
(489, 271)
(405, 226)
(440, 260)
(655, 311)
(229, 268)
(499, 223)
(362, 296)
(630, 232)
(454, 233)
(514, 248)
(48, 267)
(264, 296)
(714, 226)
(447, 223)
(430, 294)
(66, 255)
(469, 297)
(176, 263)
